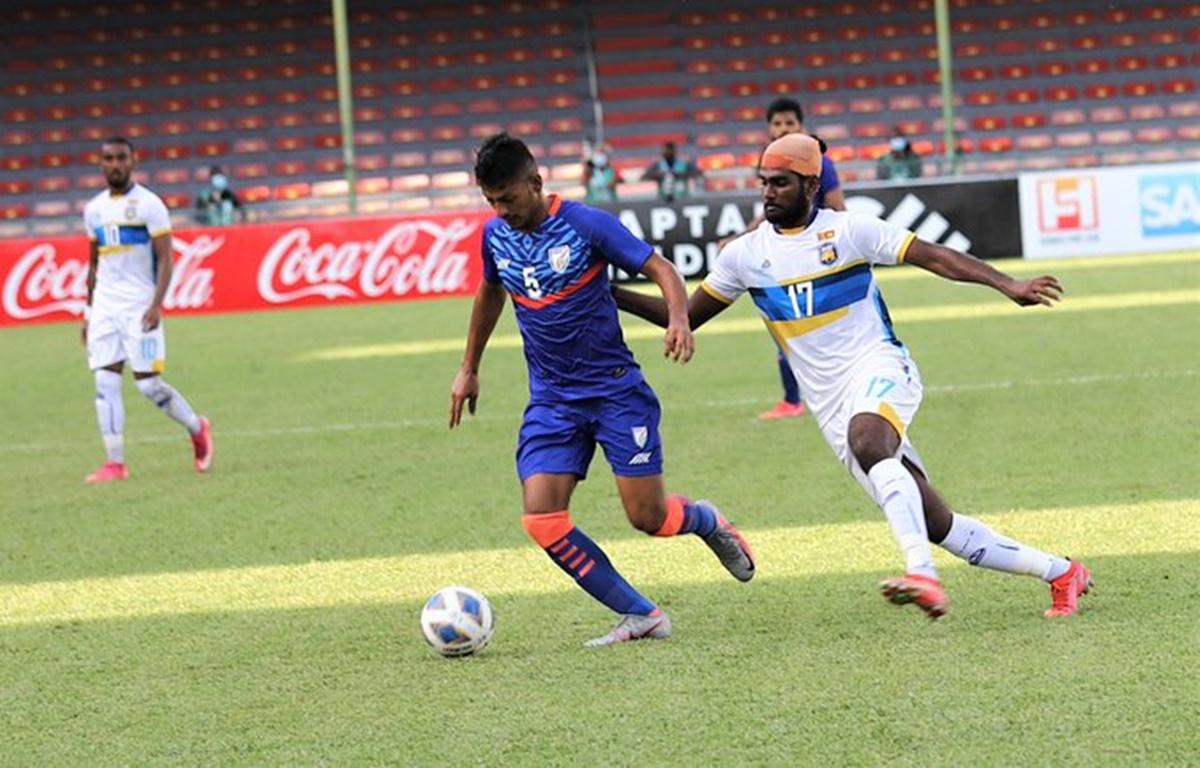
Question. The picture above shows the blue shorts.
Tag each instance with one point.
(560, 437)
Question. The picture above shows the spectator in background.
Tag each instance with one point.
(901, 162)
(216, 203)
(672, 173)
(599, 177)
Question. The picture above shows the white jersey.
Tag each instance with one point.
(817, 295)
(122, 226)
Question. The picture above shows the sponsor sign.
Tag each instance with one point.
(1130, 209)
(264, 266)
(979, 216)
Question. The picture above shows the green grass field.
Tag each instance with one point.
(267, 613)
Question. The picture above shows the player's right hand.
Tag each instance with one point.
(464, 390)
(679, 343)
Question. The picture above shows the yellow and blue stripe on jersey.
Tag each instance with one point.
(800, 305)
(112, 237)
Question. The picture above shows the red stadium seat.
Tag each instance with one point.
(1102, 91)
(327, 141)
(1147, 112)
(51, 183)
(16, 186)
(288, 143)
(1021, 96)
(16, 162)
(1139, 88)
(10, 211)
(294, 191)
(1153, 134)
(289, 167)
(328, 165)
(988, 123)
(1092, 66)
(55, 160)
(1179, 85)
(1073, 139)
(982, 98)
(1029, 120)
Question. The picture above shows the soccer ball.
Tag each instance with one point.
(457, 621)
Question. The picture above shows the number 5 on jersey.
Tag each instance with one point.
(532, 286)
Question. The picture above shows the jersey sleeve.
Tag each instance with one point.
(829, 176)
(611, 239)
(158, 219)
(490, 273)
(878, 241)
(724, 281)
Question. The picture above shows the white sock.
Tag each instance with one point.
(900, 498)
(979, 545)
(110, 414)
(169, 402)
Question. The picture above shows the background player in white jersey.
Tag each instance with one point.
(808, 271)
(129, 231)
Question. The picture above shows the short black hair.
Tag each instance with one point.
(784, 104)
(501, 160)
(118, 140)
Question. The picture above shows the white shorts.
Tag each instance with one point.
(113, 338)
(887, 384)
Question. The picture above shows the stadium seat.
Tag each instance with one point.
(1100, 91)
(1118, 136)
(293, 191)
(1139, 88)
(409, 160)
(1073, 139)
(1179, 85)
(1139, 112)
(1021, 96)
(1108, 114)
(52, 183)
(1153, 134)
(16, 162)
(328, 164)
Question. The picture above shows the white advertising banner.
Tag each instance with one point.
(1098, 211)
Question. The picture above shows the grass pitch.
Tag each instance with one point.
(266, 613)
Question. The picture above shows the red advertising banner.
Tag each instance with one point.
(267, 266)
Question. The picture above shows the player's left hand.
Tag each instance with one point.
(679, 343)
(1043, 290)
(151, 319)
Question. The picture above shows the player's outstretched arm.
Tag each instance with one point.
(678, 343)
(952, 265)
(485, 312)
(701, 306)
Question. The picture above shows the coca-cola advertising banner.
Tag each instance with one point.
(264, 266)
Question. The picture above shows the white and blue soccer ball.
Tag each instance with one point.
(457, 621)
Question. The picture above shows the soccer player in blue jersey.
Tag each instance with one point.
(551, 257)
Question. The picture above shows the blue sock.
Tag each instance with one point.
(686, 516)
(791, 389)
(584, 561)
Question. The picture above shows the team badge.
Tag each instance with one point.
(560, 258)
(828, 253)
(639, 436)
(131, 211)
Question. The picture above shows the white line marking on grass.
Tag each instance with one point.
(672, 406)
(1143, 528)
(901, 315)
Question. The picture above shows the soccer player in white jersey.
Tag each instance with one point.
(808, 271)
(129, 231)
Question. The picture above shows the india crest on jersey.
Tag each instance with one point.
(560, 258)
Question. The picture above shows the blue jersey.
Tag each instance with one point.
(558, 279)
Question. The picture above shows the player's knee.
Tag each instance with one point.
(871, 440)
(152, 387)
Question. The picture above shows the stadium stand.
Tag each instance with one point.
(252, 86)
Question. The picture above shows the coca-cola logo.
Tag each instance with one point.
(39, 284)
(420, 257)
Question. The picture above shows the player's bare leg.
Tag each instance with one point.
(546, 520)
(110, 416)
(874, 442)
(651, 511)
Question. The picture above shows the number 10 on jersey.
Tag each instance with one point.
(801, 295)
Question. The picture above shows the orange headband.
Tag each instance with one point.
(795, 152)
